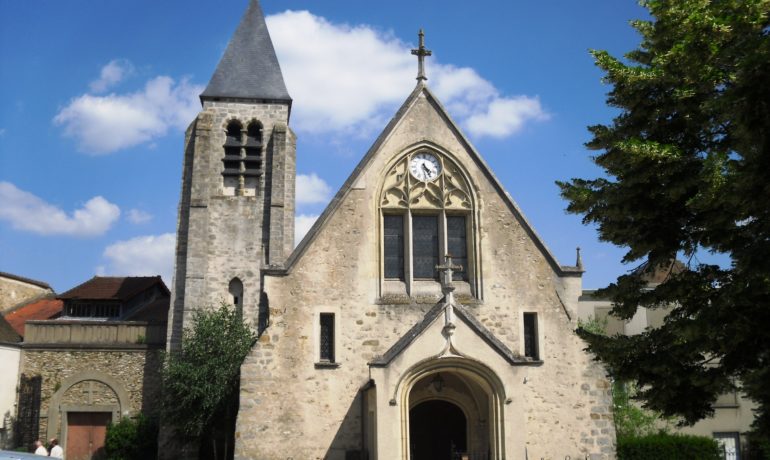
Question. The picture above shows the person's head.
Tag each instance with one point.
(53, 441)
(38, 443)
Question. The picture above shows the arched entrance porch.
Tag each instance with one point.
(452, 409)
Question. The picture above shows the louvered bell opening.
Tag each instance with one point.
(253, 151)
(233, 135)
(252, 166)
(232, 168)
(254, 136)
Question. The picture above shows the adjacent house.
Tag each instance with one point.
(97, 361)
(733, 413)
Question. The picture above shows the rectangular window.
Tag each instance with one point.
(394, 246)
(530, 336)
(425, 246)
(457, 245)
(729, 445)
(327, 337)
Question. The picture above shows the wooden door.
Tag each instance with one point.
(86, 432)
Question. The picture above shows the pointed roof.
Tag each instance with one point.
(431, 316)
(420, 89)
(249, 68)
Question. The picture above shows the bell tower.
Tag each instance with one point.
(236, 211)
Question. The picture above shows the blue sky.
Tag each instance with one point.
(96, 97)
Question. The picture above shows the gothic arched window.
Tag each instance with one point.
(427, 209)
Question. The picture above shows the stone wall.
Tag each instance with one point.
(221, 234)
(13, 292)
(94, 377)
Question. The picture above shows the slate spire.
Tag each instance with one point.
(249, 68)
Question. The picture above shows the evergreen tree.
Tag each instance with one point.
(687, 169)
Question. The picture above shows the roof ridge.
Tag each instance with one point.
(432, 315)
(24, 279)
(561, 270)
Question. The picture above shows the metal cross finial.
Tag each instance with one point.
(446, 274)
(421, 52)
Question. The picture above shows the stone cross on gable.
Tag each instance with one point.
(446, 272)
(421, 52)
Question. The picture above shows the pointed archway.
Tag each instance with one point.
(452, 409)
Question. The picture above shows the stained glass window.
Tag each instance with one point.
(394, 246)
(327, 337)
(425, 246)
(457, 245)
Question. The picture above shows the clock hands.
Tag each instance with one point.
(424, 167)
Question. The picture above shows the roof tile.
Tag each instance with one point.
(39, 309)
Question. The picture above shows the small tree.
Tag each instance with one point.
(200, 381)
(134, 438)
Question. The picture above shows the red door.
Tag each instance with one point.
(85, 435)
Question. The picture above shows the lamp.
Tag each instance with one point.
(438, 383)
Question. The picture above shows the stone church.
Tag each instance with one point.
(375, 343)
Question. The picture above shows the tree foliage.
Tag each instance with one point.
(664, 446)
(631, 420)
(686, 165)
(132, 438)
(201, 380)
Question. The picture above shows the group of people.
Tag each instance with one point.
(53, 444)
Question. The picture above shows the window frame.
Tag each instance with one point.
(243, 157)
(410, 280)
(451, 193)
(319, 313)
(536, 335)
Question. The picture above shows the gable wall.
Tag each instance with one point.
(564, 405)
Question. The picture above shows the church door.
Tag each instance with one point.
(86, 432)
(437, 431)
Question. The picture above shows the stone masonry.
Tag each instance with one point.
(136, 371)
(221, 235)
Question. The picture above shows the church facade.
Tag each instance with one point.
(375, 343)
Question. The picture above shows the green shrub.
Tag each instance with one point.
(134, 438)
(664, 446)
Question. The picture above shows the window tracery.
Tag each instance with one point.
(427, 207)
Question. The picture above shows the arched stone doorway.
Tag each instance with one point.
(454, 412)
(437, 430)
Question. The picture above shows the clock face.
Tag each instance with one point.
(425, 167)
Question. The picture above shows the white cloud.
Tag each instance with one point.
(312, 189)
(111, 74)
(137, 216)
(27, 212)
(506, 116)
(141, 256)
(104, 124)
(302, 224)
(379, 73)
